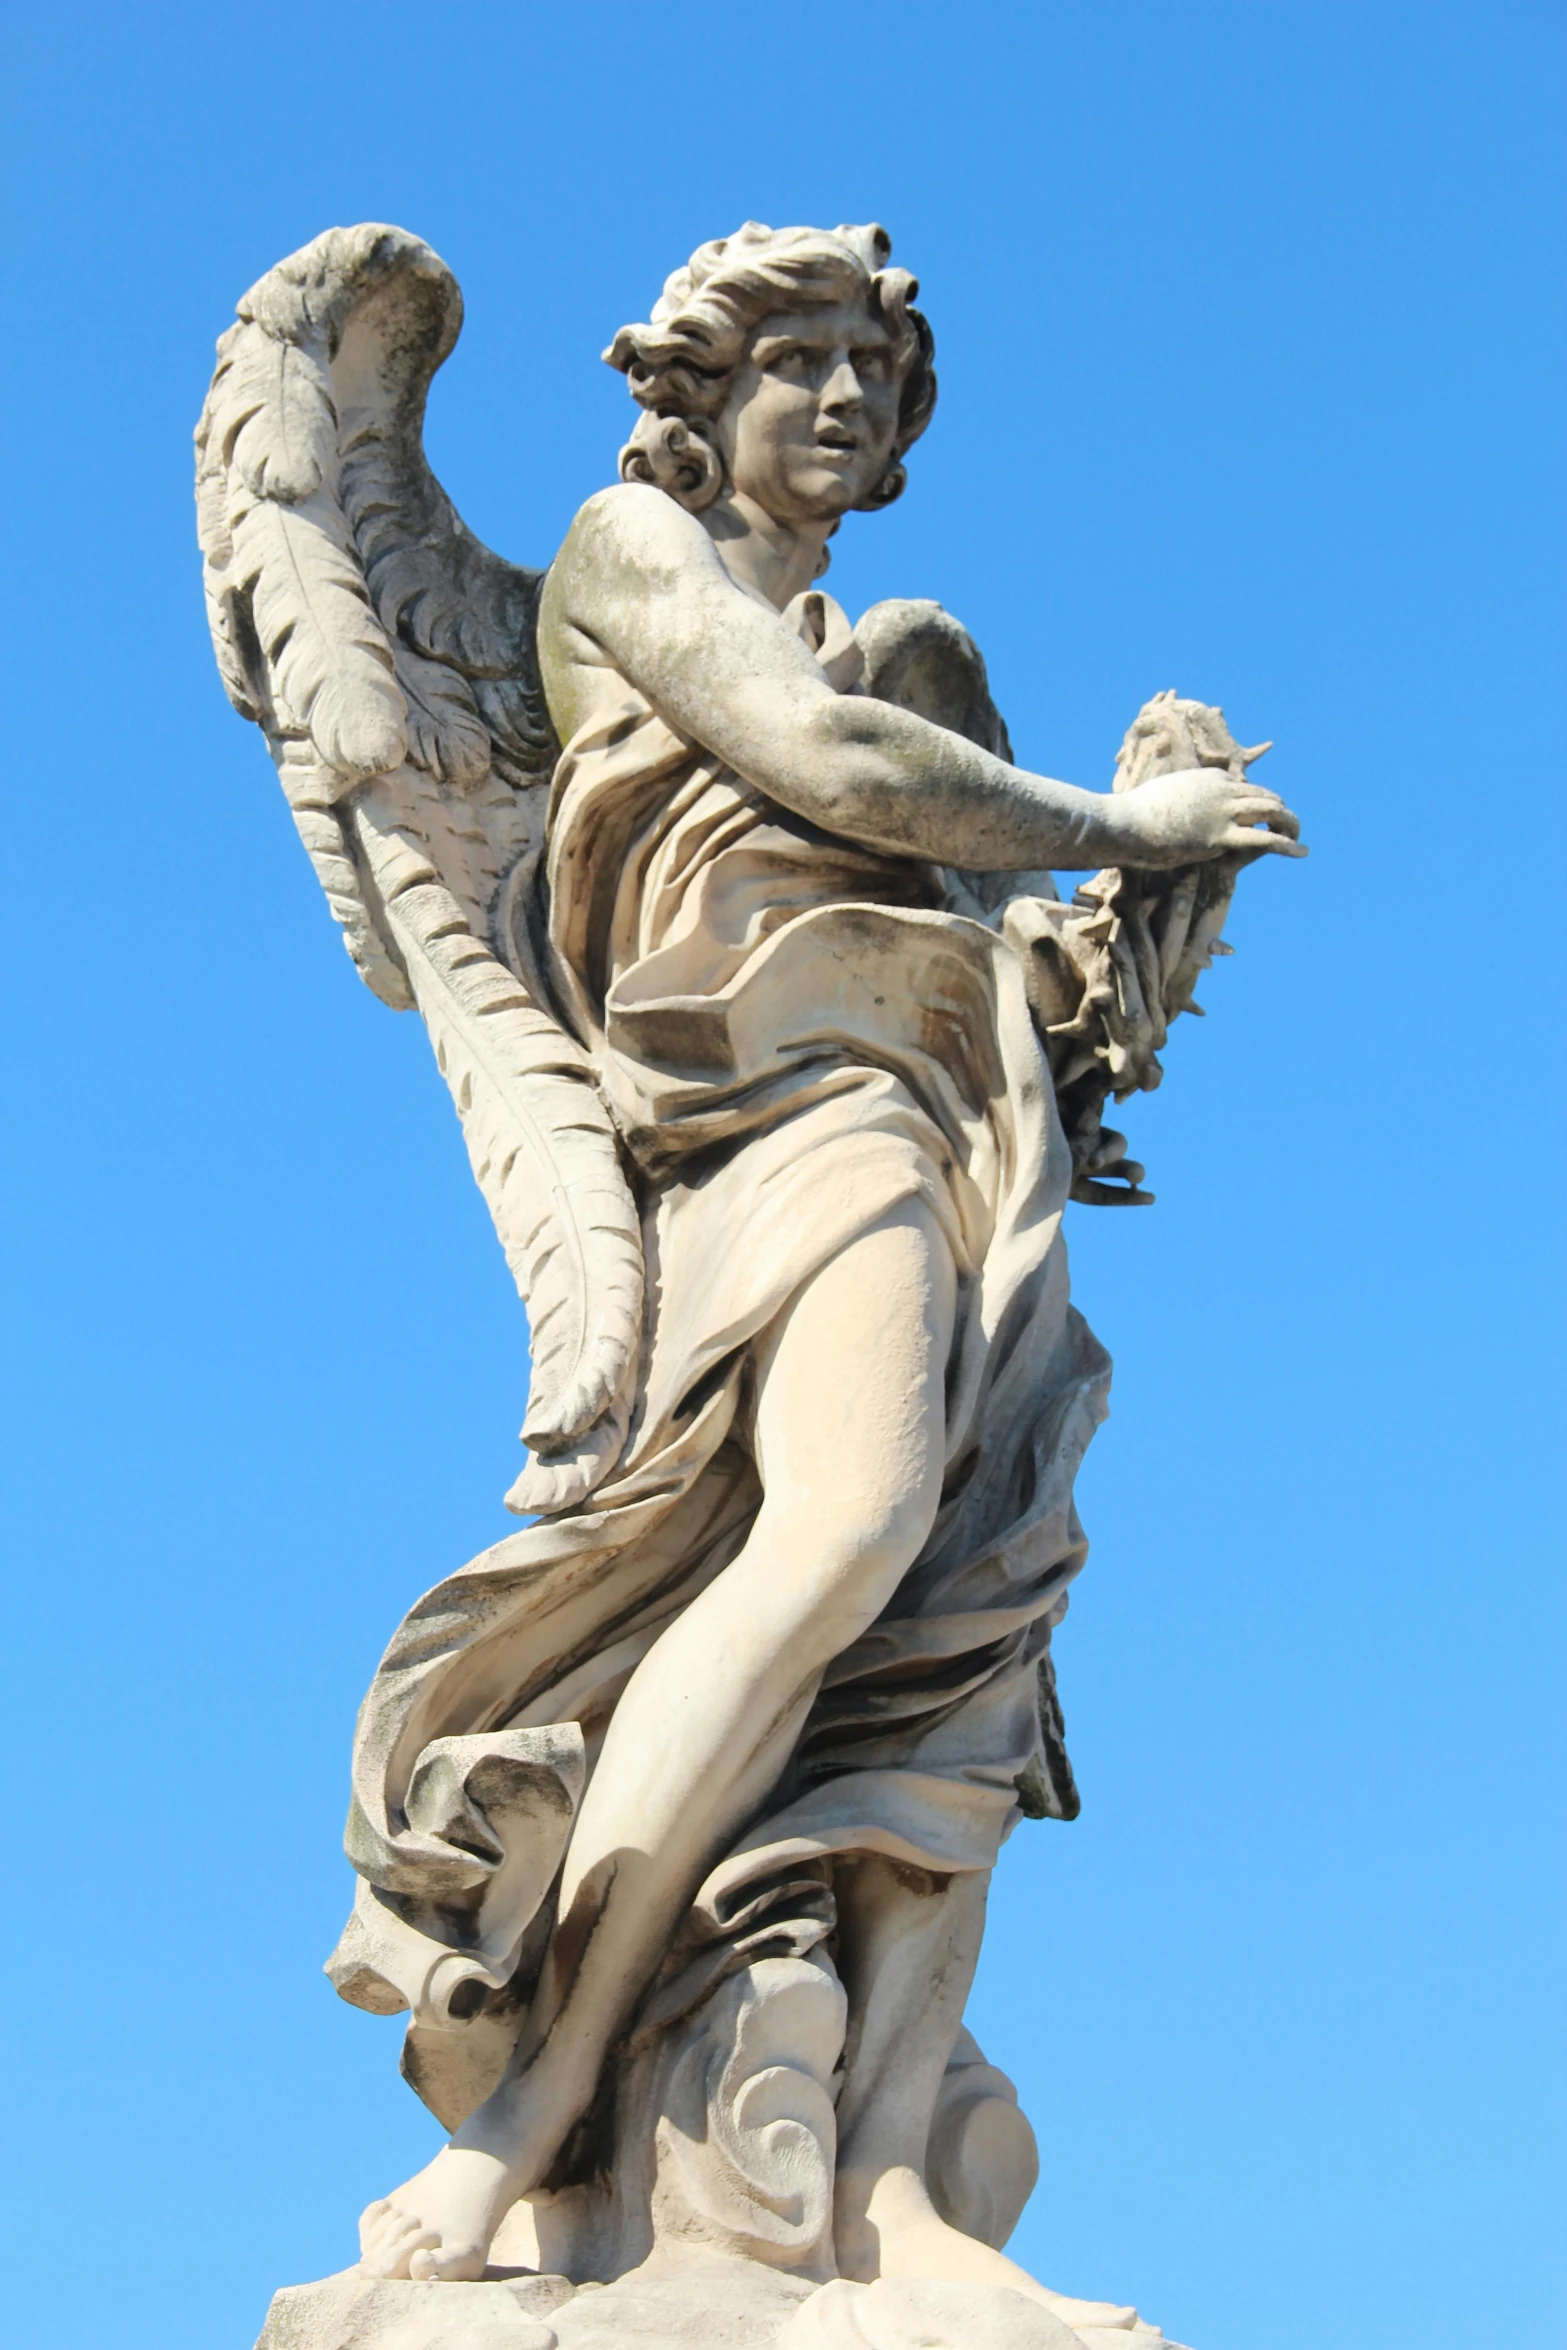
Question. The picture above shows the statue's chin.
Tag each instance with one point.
(829, 494)
(815, 497)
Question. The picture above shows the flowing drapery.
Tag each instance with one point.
(795, 1035)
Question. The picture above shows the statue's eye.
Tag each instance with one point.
(792, 361)
(873, 366)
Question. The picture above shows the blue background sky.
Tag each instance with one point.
(1250, 332)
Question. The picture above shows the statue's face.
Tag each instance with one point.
(812, 413)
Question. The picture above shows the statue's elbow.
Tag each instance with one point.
(844, 763)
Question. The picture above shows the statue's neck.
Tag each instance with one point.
(774, 560)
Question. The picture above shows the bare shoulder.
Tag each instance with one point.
(629, 590)
(629, 535)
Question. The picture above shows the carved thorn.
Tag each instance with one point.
(1248, 756)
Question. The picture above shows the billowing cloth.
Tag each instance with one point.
(795, 1035)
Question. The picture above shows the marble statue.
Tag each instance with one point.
(777, 1056)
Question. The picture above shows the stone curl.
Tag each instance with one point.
(680, 365)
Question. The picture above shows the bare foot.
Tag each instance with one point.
(440, 2224)
(894, 2230)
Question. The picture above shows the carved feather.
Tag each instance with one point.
(446, 735)
(541, 1143)
(310, 789)
(278, 423)
(390, 659)
(228, 641)
(217, 554)
(332, 669)
(513, 709)
(212, 511)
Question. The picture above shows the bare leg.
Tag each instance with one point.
(850, 1442)
(908, 1948)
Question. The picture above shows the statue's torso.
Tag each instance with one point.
(731, 964)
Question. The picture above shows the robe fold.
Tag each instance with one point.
(795, 1035)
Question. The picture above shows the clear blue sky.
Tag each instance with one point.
(1250, 327)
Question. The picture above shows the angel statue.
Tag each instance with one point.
(778, 1057)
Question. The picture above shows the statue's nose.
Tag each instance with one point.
(842, 388)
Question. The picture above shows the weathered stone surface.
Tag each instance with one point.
(922, 2315)
(356, 2312)
(708, 2302)
(777, 1055)
(712, 2301)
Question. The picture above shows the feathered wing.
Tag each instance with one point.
(1108, 971)
(390, 660)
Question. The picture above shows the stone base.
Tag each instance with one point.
(354, 2312)
(698, 2304)
(715, 2225)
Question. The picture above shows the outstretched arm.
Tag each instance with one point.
(642, 582)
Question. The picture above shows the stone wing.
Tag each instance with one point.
(1108, 971)
(390, 660)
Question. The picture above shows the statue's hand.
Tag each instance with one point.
(1201, 812)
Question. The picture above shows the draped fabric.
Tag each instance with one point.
(795, 1035)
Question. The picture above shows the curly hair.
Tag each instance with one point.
(681, 363)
